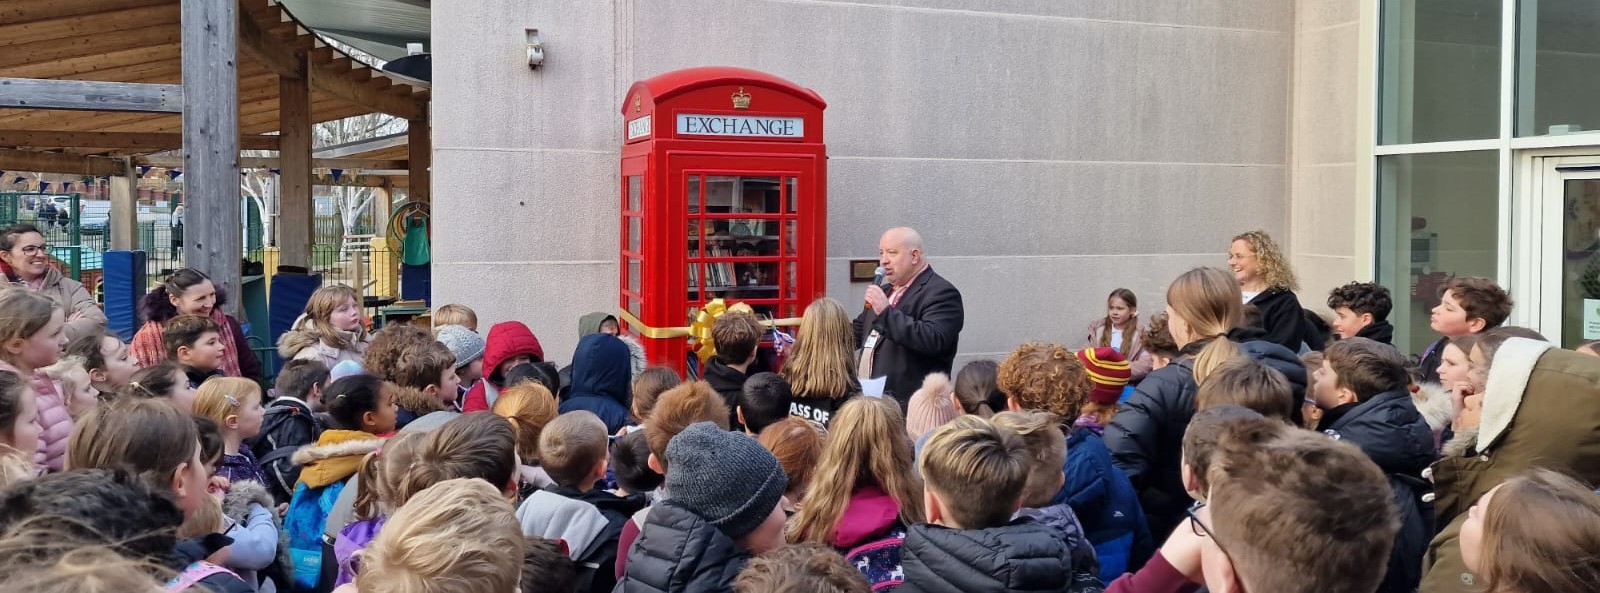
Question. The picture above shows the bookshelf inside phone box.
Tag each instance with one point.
(724, 195)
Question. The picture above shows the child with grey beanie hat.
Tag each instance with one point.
(725, 489)
(468, 347)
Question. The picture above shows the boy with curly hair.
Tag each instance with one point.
(1361, 310)
(1048, 377)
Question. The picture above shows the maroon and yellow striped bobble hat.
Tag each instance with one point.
(1108, 370)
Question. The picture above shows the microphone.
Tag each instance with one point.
(877, 280)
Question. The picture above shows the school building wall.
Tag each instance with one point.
(1048, 151)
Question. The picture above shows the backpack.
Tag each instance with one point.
(879, 561)
(305, 522)
(274, 448)
(193, 574)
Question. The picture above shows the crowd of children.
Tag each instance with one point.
(1226, 443)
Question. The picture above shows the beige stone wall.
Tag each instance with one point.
(1329, 211)
(1049, 150)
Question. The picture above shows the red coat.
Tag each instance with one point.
(507, 339)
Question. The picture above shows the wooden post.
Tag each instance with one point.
(124, 221)
(420, 159)
(212, 230)
(294, 179)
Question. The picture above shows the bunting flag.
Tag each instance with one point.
(143, 169)
(275, 171)
(173, 174)
(337, 173)
(67, 186)
(44, 186)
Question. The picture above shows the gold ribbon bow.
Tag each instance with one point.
(700, 329)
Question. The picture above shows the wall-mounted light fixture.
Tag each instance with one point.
(535, 49)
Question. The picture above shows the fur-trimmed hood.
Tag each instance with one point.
(336, 456)
(303, 336)
(1434, 402)
(236, 503)
(417, 401)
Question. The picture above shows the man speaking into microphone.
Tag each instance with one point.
(912, 320)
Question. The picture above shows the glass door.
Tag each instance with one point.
(1569, 249)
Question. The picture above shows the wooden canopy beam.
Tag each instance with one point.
(128, 141)
(362, 146)
(55, 162)
(328, 79)
(279, 58)
(110, 20)
(27, 11)
(84, 95)
(92, 65)
(174, 162)
(90, 44)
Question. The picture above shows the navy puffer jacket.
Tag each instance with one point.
(1146, 435)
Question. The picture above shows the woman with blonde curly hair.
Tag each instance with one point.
(1045, 377)
(1266, 281)
(821, 368)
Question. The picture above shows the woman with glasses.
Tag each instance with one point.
(25, 260)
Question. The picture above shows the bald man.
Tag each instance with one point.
(910, 328)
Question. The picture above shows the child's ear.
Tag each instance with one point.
(739, 412)
(231, 421)
(183, 352)
(180, 482)
(930, 503)
(1476, 324)
(1367, 319)
(431, 389)
(369, 419)
(955, 404)
(655, 464)
(97, 376)
(1191, 482)
(1012, 405)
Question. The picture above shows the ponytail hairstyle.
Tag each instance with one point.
(154, 382)
(482, 446)
(349, 398)
(1212, 357)
(318, 316)
(1208, 301)
(23, 313)
(1128, 333)
(381, 472)
(157, 304)
(977, 386)
(866, 444)
(210, 439)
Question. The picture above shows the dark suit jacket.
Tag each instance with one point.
(917, 336)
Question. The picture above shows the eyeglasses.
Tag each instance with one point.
(35, 249)
(1200, 528)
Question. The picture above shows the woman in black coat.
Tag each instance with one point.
(1267, 282)
(1146, 436)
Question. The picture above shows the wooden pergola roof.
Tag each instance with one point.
(139, 41)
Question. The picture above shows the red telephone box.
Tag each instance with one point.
(724, 195)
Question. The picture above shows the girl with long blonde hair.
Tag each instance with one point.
(330, 329)
(1204, 313)
(1266, 281)
(865, 488)
(821, 368)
